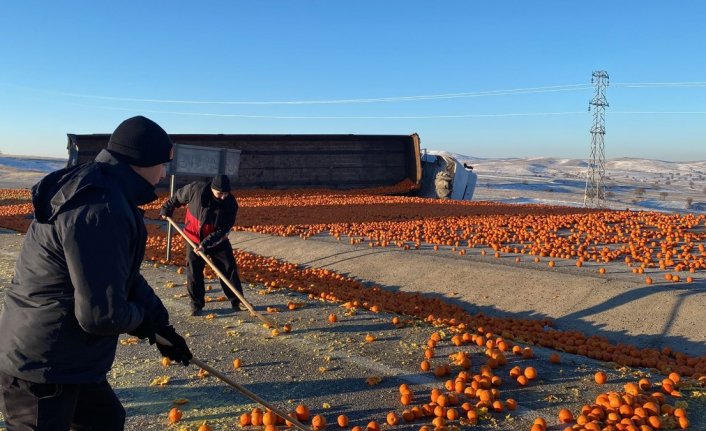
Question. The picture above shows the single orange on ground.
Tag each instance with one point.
(302, 412)
(530, 373)
(565, 416)
(174, 415)
(269, 418)
(318, 422)
(256, 416)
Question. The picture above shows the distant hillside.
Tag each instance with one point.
(549, 166)
(30, 163)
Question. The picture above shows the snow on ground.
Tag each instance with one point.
(637, 184)
(21, 172)
(28, 163)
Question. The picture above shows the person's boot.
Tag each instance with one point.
(195, 311)
(238, 306)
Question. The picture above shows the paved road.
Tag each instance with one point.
(618, 305)
(326, 365)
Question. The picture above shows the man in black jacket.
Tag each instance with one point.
(210, 215)
(77, 287)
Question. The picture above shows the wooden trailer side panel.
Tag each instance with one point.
(292, 161)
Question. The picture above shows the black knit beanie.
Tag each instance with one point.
(140, 141)
(221, 183)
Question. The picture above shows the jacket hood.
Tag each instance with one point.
(56, 191)
(53, 192)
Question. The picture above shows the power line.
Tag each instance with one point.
(442, 96)
(490, 93)
(345, 117)
(660, 84)
(384, 117)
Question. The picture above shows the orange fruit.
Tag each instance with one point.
(318, 422)
(530, 373)
(174, 415)
(302, 412)
(269, 418)
(256, 416)
(565, 416)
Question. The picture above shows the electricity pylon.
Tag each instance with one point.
(595, 187)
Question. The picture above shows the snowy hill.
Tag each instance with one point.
(30, 163)
(24, 171)
(641, 184)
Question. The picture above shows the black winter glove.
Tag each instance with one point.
(178, 351)
(166, 212)
(145, 330)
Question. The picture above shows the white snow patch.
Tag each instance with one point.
(632, 183)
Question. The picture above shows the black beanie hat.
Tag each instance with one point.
(140, 141)
(221, 183)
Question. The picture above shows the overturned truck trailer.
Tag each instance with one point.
(297, 161)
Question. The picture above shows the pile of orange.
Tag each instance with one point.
(641, 406)
(331, 286)
(15, 209)
(641, 240)
(633, 409)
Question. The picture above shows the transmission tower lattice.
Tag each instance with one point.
(595, 187)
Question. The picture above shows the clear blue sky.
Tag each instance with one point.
(84, 66)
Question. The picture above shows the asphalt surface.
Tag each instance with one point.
(327, 366)
(617, 305)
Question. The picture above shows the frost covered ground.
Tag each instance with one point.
(638, 184)
(19, 172)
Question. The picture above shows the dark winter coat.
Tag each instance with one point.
(207, 221)
(77, 284)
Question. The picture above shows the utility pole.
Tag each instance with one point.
(594, 194)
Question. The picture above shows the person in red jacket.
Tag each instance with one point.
(210, 215)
